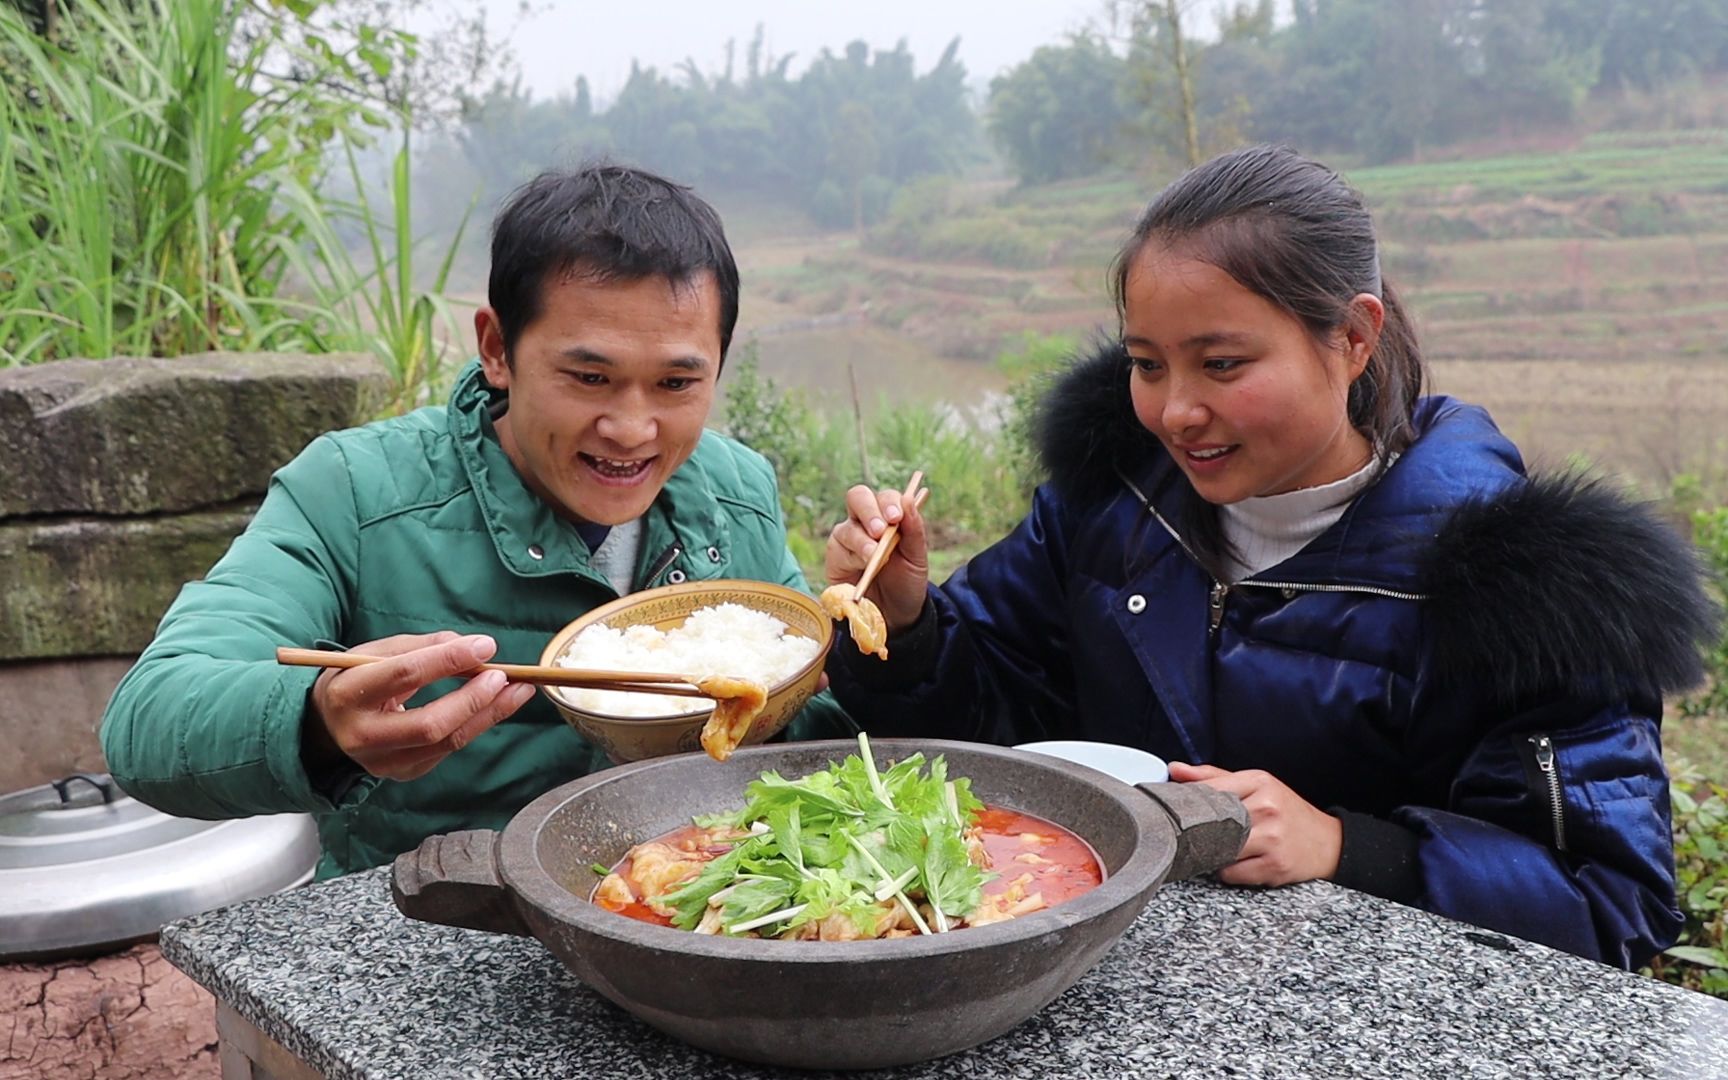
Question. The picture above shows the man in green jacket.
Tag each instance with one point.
(570, 467)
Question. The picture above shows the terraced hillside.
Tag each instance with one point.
(1581, 294)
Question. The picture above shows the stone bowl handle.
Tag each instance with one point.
(1211, 826)
(452, 879)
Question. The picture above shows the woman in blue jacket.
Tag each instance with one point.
(1264, 556)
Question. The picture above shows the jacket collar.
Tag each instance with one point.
(522, 524)
(1092, 446)
(1381, 541)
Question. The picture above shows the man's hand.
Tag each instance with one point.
(1289, 838)
(360, 712)
(898, 588)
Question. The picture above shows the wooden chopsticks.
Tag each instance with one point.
(891, 536)
(634, 682)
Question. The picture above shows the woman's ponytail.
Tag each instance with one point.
(1383, 398)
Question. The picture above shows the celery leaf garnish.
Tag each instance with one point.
(848, 841)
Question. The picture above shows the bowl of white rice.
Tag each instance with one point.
(752, 630)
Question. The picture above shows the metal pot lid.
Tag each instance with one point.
(79, 818)
(85, 867)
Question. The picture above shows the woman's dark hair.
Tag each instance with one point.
(1293, 232)
(604, 222)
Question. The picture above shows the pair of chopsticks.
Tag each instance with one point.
(629, 682)
(891, 536)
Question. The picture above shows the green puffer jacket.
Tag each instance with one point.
(409, 525)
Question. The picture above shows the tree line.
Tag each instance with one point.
(835, 140)
(1378, 79)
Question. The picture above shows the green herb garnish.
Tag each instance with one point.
(841, 841)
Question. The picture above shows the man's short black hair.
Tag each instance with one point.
(604, 222)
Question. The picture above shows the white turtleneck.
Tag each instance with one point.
(1267, 529)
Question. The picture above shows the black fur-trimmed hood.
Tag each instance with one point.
(1085, 426)
(1564, 582)
(1531, 586)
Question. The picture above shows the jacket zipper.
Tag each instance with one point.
(1550, 768)
(1297, 586)
(666, 559)
(1221, 590)
(1215, 599)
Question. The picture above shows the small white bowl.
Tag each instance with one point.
(1125, 763)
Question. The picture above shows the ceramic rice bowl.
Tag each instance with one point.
(633, 738)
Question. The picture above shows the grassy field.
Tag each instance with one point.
(1648, 422)
(1580, 294)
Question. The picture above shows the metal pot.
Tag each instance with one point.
(833, 1005)
(86, 869)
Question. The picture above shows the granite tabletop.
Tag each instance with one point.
(1211, 981)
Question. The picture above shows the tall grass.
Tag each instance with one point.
(150, 159)
(412, 329)
(163, 192)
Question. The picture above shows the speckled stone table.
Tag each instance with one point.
(1309, 981)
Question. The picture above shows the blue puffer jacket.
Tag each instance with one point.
(1467, 668)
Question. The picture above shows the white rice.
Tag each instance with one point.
(726, 639)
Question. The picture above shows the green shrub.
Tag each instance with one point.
(1645, 215)
(1430, 226)
(978, 467)
(1030, 370)
(974, 486)
(1710, 533)
(1699, 960)
(1414, 264)
(875, 193)
(809, 453)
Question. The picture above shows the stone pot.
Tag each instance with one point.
(807, 1004)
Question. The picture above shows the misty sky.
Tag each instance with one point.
(567, 38)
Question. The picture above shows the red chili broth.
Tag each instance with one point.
(1073, 869)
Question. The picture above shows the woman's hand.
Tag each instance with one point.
(1289, 838)
(898, 588)
(360, 712)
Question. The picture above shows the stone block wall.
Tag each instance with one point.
(120, 480)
